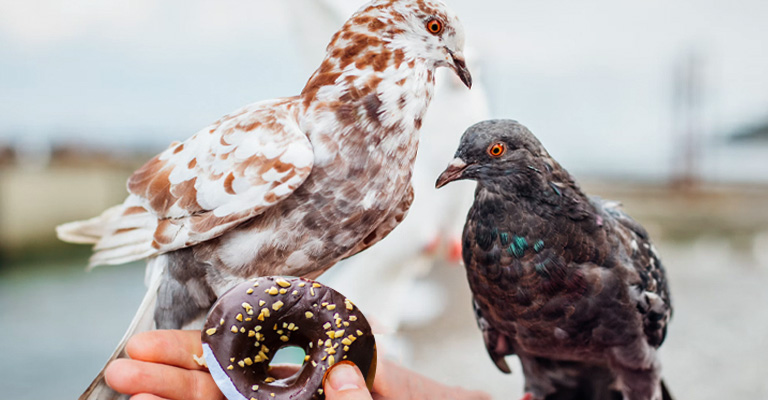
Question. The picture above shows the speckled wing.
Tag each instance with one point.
(196, 190)
(497, 343)
(651, 291)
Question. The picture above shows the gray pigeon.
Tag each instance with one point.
(568, 282)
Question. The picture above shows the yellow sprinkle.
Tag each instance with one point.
(331, 307)
(273, 291)
(352, 337)
(279, 331)
(247, 306)
(232, 359)
(314, 364)
(325, 303)
(312, 291)
(352, 318)
(221, 321)
(310, 345)
(265, 311)
(346, 341)
(284, 338)
(248, 361)
(302, 284)
(331, 334)
(251, 333)
(277, 305)
(328, 343)
(349, 304)
(248, 319)
(340, 333)
(255, 387)
(241, 363)
(309, 314)
(292, 327)
(330, 350)
(230, 367)
(283, 291)
(306, 358)
(210, 331)
(258, 358)
(346, 348)
(233, 329)
(259, 336)
(359, 333)
(261, 303)
(324, 357)
(295, 292)
(239, 317)
(257, 328)
(331, 361)
(242, 329)
(316, 285)
(282, 282)
(345, 323)
(269, 380)
(319, 391)
(272, 394)
(249, 291)
(319, 342)
(264, 348)
(255, 284)
(327, 325)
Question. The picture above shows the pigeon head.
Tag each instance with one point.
(391, 32)
(429, 30)
(502, 153)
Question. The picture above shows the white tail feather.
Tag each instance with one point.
(88, 231)
(143, 321)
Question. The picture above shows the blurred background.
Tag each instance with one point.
(662, 105)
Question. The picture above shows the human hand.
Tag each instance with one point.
(162, 367)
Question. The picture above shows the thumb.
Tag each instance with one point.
(344, 381)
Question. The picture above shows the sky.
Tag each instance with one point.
(593, 79)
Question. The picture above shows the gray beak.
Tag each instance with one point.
(453, 172)
(460, 67)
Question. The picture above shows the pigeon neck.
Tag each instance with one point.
(382, 102)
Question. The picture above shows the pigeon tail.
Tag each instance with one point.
(143, 321)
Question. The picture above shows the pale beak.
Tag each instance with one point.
(460, 67)
(453, 172)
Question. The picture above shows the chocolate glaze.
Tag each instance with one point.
(252, 321)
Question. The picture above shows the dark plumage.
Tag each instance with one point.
(569, 283)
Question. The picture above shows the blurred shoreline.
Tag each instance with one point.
(33, 200)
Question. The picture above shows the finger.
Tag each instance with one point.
(345, 382)
(282, 371)
(165, 381)
(146, 396)
(170, 347)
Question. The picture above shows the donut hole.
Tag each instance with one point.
(289, 354)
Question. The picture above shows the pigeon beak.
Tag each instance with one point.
(453, 172)
(460, 67)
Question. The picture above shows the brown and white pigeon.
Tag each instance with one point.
(569, 283)
(287, 186)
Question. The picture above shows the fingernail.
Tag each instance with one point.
(344, 376)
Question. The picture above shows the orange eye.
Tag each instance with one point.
(497, 150)
(434, 26)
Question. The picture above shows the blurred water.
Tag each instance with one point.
(61, 323)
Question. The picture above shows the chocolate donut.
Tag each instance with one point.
(251, 322)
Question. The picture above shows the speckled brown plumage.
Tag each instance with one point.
(287, 186)
(569, 283)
